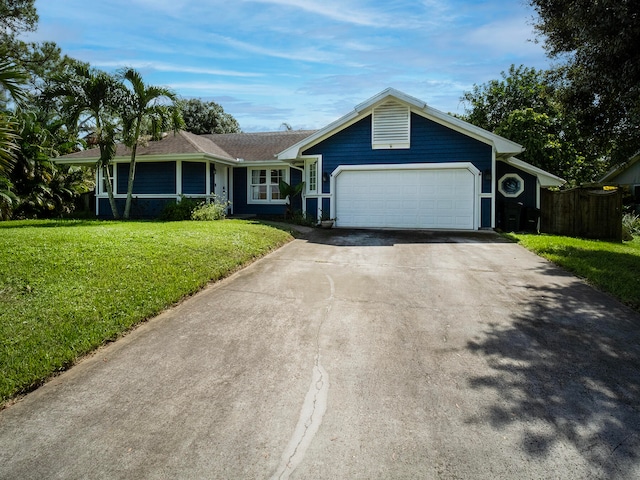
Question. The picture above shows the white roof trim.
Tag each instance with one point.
(146, 158)
(545, 178)
(503, 147)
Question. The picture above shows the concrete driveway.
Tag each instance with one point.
(350, 355)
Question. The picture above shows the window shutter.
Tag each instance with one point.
(391, 126)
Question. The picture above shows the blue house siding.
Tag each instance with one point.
(194, 178)
(430, 143)
(526, 201)
(151, 178)
(485, 213)
(312, 206)
(146, 208)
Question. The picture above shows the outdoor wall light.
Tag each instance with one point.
(487, 174)
(325, 177)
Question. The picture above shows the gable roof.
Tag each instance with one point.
(546, 179)
(504, 148)
(228, 148)
(618, 169)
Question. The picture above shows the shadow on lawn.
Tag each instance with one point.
(568, 370)
(48, 224)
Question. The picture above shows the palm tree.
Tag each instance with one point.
(148, 106)
(91, 99)
(11, 82)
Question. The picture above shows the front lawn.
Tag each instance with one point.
(612, 267)
(67, 287)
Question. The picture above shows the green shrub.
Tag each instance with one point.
(182, 210)
(216, 210)
(631, 224)
(306, 219)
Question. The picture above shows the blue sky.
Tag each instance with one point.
(303, 62)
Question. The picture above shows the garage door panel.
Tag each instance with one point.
(427, 198)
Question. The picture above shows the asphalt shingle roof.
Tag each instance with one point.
(230, 146)
(258, 146)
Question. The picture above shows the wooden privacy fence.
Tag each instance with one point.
(582, 212)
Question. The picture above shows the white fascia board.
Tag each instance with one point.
(147, 158)
(259, 163)
(502, 145)
(389, 93)
(545, 178)
(75, 161)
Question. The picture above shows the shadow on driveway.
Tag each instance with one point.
(387, 238)
(570, 373)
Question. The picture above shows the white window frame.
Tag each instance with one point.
(312, 165)
(250, 185)
(102, 186)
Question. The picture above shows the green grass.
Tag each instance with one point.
(67, 287)
(612, 267)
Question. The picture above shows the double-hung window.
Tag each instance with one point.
(311, 168)
(264, 184)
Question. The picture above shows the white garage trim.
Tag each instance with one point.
(473, 196)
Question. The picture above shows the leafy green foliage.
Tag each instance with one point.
(207, 117)
(18, 16)
(611, 266)
(145, 105)
(598, 44)
(8, 142)
(44, 189)
(523, 106)
(289, 192)
(215, 210)
(7, 198)
(306, 219)
(90, 100)
(182, 210)
(69, 287)
(11, 81)
(631, 224)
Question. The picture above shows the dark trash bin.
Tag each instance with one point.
(512, 216)
(531, 219)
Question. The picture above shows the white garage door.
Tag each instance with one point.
(438, 198)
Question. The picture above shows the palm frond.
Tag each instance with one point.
(12, 80)
(8, 143)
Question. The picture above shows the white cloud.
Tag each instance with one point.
(334, 11)
(166, 67)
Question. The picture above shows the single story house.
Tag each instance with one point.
(392, 162)
(626, 175)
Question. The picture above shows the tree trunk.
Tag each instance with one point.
(132, 173)
(132, 168)
(112, 200)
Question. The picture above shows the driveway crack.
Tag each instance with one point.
(313, 408)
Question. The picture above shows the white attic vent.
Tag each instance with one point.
(391, 126)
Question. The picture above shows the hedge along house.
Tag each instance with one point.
(393, 162)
